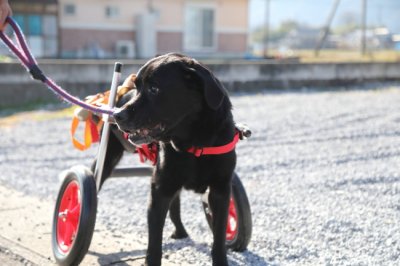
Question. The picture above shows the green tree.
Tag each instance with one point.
(258, 35)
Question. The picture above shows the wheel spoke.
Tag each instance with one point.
(68, 216)
(73, 215)
(75, 210)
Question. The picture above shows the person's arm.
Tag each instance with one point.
(5, 11)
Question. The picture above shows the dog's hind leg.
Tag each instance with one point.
(219, 203)
(114, 153)
(175, 215)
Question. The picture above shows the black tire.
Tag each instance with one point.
(242, 234)
(72, 234)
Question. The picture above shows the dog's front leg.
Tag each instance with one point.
(156, 214)
(219, 203)
(175, 215)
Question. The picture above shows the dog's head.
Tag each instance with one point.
(170, 93)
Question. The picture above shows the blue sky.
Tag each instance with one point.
(315, 12)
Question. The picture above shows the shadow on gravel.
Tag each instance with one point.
(250, 258)
(119, 258)
(234, 258)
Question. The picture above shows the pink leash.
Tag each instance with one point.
(22, 52)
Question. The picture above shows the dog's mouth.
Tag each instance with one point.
(145, 135)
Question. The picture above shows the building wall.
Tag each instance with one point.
(92, 41)
(17, 88)
(232, 16)
(90, 25)
(169, 42)
(231, 25)
(91, 14)
(90, 33)
(232, 43)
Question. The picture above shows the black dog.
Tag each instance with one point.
(181, 105)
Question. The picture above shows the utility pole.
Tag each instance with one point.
(327, 27)
(363, 26)
(266, 32)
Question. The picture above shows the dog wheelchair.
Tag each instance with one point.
(76, 205)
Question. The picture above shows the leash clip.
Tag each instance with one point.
(36, 73)
(244, 131)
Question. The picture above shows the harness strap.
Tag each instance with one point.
(92, 129)
(148, 152)
(199, 151)
(91, 134)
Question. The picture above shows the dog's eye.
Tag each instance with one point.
(154, 90)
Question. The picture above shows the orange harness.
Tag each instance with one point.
(92, 128)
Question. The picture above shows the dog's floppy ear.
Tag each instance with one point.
(214, 91)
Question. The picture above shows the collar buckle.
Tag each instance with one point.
(198, 152)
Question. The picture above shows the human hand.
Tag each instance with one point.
(5, 11)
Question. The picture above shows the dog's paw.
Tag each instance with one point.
(179, 234)
(220, 262)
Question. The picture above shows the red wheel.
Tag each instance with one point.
(74, 216)
(239, 224)
(68, 216)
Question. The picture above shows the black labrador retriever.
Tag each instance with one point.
(180, 105)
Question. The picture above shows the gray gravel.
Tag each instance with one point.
(321, 172)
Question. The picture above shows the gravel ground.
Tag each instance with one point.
(321, 172)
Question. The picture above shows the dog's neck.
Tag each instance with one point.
(209, 129)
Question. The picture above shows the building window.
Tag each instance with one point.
(34, 25)
(199, 28)
(20, 19)
(31, 25)
(41, 33)
(69, 9)
(112, 12)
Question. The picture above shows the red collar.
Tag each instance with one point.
(150, 151)
(199, 151)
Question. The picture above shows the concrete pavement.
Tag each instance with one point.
(25, 235)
